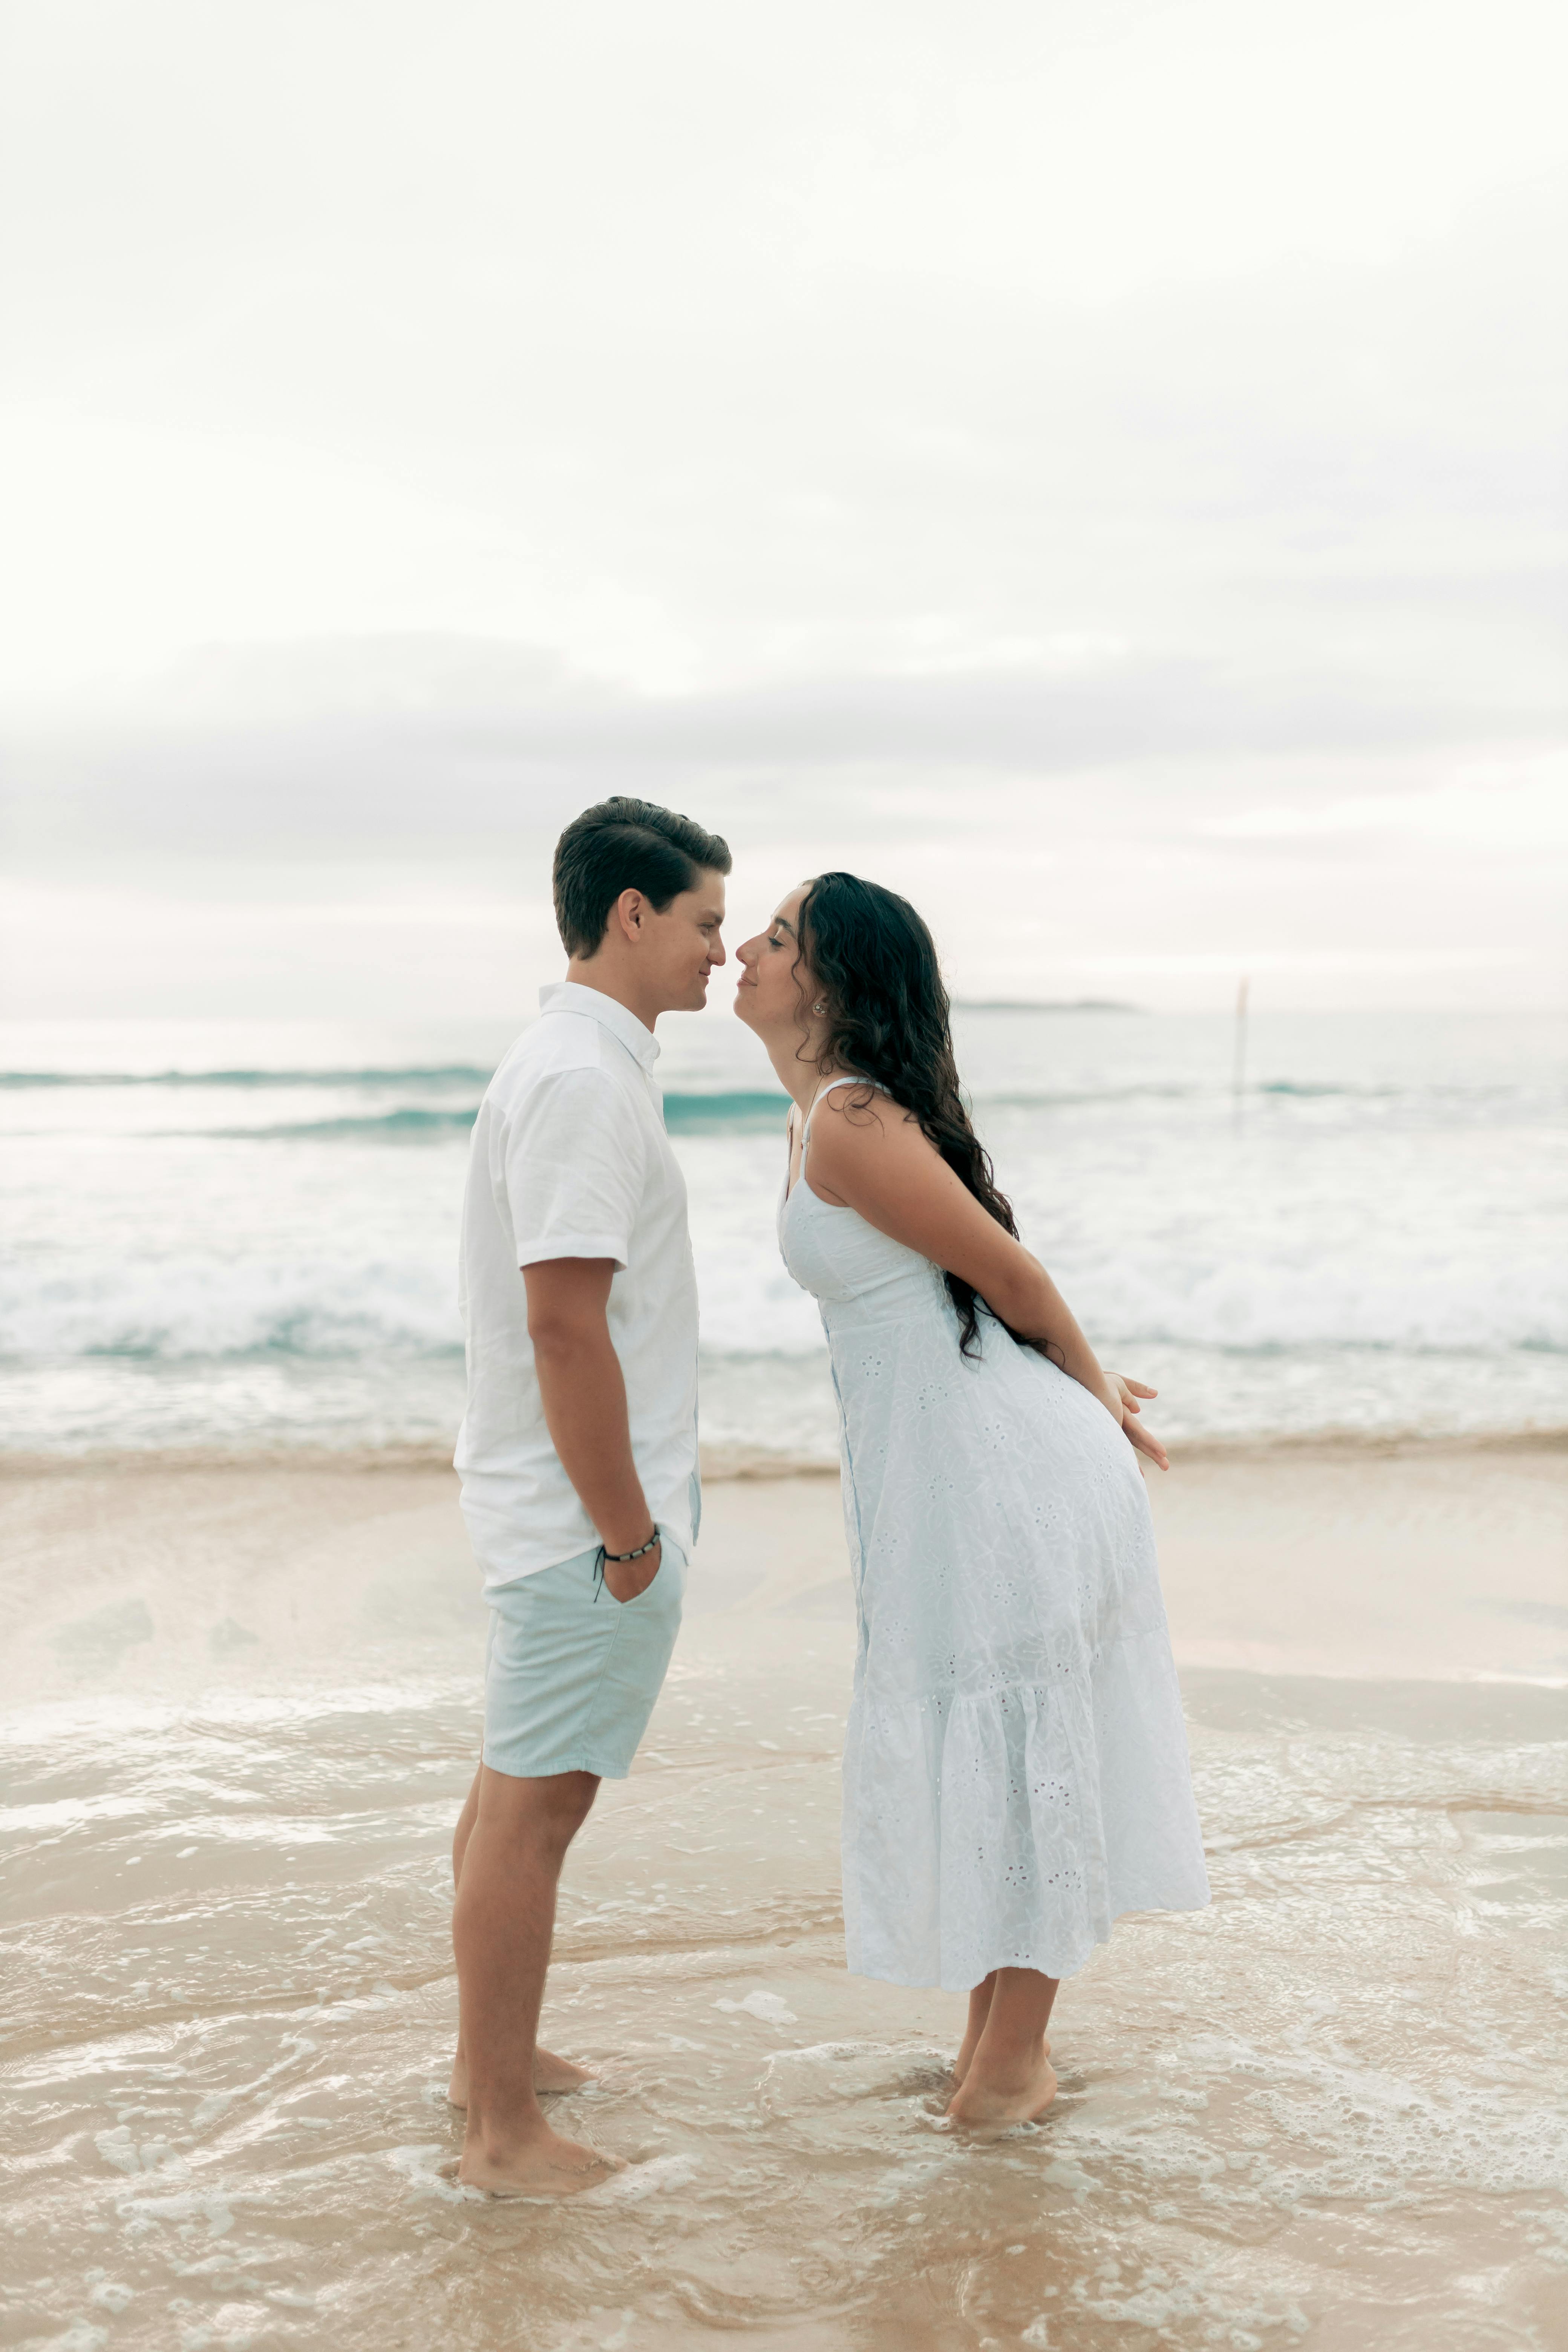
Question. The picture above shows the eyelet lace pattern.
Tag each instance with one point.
(1016, 1774)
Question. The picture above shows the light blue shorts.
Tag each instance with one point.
(571, 1673)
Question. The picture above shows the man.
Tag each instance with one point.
(578, 1450)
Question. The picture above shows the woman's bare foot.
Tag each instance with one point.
(543, 2165)
(1018, 2099)
(549, 2074)
(971, 2042)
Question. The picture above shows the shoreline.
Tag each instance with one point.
(241, 1705)
(1435, 1560)
(725, 1464)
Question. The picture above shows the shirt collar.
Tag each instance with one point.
(571, 996)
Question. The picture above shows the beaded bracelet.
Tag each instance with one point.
(618, 1556)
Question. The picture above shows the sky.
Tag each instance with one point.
(1096, 468)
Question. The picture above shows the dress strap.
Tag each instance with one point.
(849, 1078)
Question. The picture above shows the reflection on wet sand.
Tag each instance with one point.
(241, 1712)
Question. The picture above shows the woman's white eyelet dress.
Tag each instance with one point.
(1016, 1774)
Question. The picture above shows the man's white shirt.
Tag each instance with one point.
(570, 1158)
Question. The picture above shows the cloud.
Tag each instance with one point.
(1521, 807)
(1087, 467)
(398, 747)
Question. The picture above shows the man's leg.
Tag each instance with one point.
(502, 1927)
(550, 2072)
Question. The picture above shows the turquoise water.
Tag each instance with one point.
(226, 1233)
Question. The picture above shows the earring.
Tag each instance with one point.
(821, 1004)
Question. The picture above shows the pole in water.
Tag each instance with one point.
(1238, 1066)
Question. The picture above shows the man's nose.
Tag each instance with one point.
(716, 950)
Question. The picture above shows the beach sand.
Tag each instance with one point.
(241, 1711)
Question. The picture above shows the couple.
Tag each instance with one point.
(1016, 1771)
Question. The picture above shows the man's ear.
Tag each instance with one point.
(628, 913)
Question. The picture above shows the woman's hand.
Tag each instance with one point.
(1141, 1439)
(1130, 1390)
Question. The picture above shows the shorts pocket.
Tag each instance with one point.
(643, 1633)
(669, 1577)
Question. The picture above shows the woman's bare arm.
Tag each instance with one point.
(875, 1159)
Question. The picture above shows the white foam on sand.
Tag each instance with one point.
(1338, 2091)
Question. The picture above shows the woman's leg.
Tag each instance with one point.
(1008, 2078)
(979, 2011)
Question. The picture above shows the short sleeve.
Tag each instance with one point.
(573, 1164)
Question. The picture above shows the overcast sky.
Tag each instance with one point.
(1095, 467)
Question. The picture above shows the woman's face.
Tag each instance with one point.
(775, 988)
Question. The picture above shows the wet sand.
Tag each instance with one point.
(240, 1713)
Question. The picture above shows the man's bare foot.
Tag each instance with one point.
(549, 2074)
(553, 2074)
(544, 2164)
(1014, 2101)
(971, 2044)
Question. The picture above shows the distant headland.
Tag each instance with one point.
(1037, 1004)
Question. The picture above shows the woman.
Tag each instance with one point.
(1016, 1773)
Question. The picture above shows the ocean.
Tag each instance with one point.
(240, 1647)
(237, 1234)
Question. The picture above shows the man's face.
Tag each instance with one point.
(684, 944)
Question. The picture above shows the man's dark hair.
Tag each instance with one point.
(626, 844)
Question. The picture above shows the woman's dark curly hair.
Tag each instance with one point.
(888, 1017)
